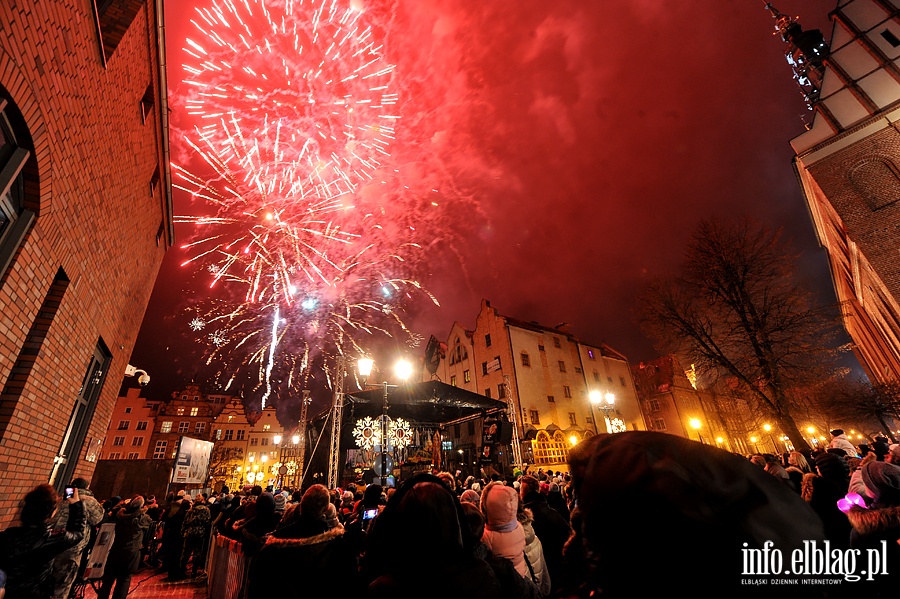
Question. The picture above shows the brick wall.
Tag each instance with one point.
(96, 220)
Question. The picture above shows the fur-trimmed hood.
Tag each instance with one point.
(873, 521)
(276, 543)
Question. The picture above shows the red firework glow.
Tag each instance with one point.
(313, 232)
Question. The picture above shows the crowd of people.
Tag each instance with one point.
(635, 512)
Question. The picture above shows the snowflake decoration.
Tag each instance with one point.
(197, 324)
(218, 338)
(291, 468)
(400, 433)
(366, 433)
(617, 425)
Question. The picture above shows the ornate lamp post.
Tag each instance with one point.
(605, 403)
(696, 424)
(402, 371)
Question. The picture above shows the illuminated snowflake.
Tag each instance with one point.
(197, 324)
(218, 338)
(291, 468)
(366, 433)
(617, 425)
(399, 433)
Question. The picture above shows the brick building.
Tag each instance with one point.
(130, 428)
(848, 164)
(190, 413)
(85, 218)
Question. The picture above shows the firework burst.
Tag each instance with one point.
(306, 229)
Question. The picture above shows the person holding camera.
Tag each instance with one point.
(27, 551)
(67, 564)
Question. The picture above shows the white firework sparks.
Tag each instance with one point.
(197, 324)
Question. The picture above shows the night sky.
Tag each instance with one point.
(575, 146)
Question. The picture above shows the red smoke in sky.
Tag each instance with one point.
(573, 147)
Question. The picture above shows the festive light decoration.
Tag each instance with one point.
(367, 433)
(851, 499)
(617, 425)
(399, 433)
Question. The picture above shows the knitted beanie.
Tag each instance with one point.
(832, 466)
(883, 479)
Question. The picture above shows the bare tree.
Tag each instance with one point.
(872, 404)
(223, 459)
(736, 310)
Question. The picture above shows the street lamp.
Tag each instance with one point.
(605, 403)
(402, 371)
(755, 448)
(768, 429)
(695, 424)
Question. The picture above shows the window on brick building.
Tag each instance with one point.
(15, 218)
(218, 434)
(112, 19)
(147, 103)
(453, 380)
(132, 455)
(487, 392)
(229, 435)
(115, 455)
(141, 425)
(501, 391)
(166, 426)
(263, 441)
(535, 417)
(240, 435)
(119, 441)
(653, 404)
(551, 399)
(622, 381)
(123, 425)
(556, 342)
(159, 452)
(877, 180)
(254, 441)
(467, 376)
(200, 427)
(128, 410)
(562, 366)
(572, 419)
(137, 442)
(567, 391)
(658, 424)
(484, 368)
(179, 411)
(487, 340)
(195, 411)
(184, 427)
(526, 361)
(471, 427)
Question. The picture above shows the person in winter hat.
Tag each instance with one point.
(877, 528)
(66, 564)
(840, 441)
(470, 496)
(503, 533)
(280, 502)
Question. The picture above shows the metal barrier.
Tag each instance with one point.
(227, 569)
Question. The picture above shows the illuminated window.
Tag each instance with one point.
(591, 354)
(218, 434)
(453, 380)
(267, 426)
(180, 411)
(467, 377)
(166, 426)
(550, 450)
(195, 411)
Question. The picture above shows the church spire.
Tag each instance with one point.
(805, 52)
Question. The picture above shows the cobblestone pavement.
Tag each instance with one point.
(150, 584)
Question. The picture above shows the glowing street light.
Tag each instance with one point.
(604, 402)
(403, 369)
(696, 424)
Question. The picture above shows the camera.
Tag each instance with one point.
(70, 492)
(144, 380)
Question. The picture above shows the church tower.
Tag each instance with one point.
(848, 165)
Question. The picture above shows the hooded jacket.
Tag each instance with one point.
(842, 442)
(503, 533)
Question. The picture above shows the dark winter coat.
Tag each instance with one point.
(871, 527)
(552, 530)
(125, 553)
(27, 552)
(320, 561)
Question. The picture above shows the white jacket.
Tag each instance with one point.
(841, 442)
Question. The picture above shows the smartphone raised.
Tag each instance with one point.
(70, 492)
(369, 514)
